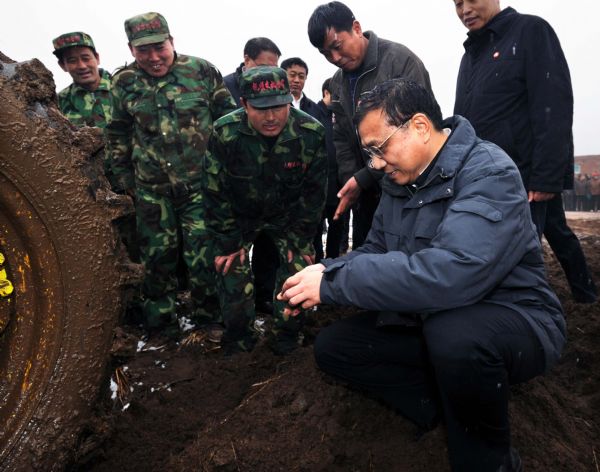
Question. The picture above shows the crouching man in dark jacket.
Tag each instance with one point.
(452, 270)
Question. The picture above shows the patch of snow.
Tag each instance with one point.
(113, 389)
(185, 324)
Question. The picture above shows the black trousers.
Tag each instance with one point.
(549, 218)
(265, 262)
(458, 364)
(362, 216)
(335, 229)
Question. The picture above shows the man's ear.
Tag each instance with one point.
(422, 125)
(357, 28)
(60, 63)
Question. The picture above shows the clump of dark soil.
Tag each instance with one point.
(186, 409)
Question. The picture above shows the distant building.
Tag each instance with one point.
(589, 165)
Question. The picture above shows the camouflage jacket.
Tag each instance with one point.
(85, 108)
(249, 187)
(160, 126)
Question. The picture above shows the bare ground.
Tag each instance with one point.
(183, 408)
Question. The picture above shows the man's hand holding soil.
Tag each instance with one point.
(302, 289)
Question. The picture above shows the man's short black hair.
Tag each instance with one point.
(400, 99)
(255, 46)
(326, 86)
(329, 15)
(294, 61)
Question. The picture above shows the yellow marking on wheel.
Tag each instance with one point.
(6, 287)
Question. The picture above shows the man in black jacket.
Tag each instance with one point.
(297, 72)
(257, 52)
(515, 88)
(364, 60)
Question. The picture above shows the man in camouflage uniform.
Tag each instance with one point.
(266, 172)
(265, 258)
(86, 102)
(164, 105)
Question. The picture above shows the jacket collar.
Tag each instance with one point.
(240, 69)
(439, 183)
(460, 142)
(104, 84)
(324, 108)
(498, 26)
(370, 60)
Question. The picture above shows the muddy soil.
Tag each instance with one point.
(186, 409)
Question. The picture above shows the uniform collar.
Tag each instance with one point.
(104, 84)
(104, 80)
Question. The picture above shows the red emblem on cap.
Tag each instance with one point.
(150, 25)
(268, 85)
(68, 40)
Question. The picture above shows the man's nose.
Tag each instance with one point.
(153, 55)
(335, 56)
(377, 163)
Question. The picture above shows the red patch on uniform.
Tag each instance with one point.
(294, 165)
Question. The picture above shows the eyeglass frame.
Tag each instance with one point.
(377, 151)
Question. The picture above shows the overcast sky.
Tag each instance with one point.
(217, 31)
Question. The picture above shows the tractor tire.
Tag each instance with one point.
(63, 263)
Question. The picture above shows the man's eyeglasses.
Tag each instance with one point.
(377, 151)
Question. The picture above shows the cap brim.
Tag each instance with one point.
(271, 101)
(155, 38)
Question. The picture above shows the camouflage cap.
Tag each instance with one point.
(148, 28)
(265, 86)
(69, 40)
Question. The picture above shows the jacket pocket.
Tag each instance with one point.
(426, 225)
(145, 115)
(193, 113)
(480, 208)
(504, 75)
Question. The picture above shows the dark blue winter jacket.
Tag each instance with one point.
(462, 238)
